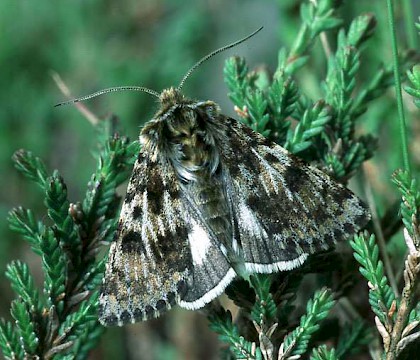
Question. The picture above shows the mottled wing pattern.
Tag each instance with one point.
(283, 209)
(149, 262)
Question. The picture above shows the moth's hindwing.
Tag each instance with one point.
(205, 202)
(211, 271)
(283, 209)
(149, 262)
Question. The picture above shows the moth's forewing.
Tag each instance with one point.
(149, 261)
(283, 209)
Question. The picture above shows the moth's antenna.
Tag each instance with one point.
(113, 89)
(205, 58)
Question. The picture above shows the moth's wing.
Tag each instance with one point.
(149, 262)
(211, 272)
(283, 209)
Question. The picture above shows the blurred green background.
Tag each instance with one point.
(98, 44)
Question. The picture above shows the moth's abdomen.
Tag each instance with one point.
(209, 196)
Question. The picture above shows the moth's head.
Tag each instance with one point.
(179, 123)
(170, 97)
(174, 106)
(170, 101)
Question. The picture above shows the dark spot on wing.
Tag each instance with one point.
(137, 212)
(361, 220)
(155, 190)
(138, 314)
(229, 131)
(270, 158)
(295, 177)
(339, 194)
(338, 234)
(348, 228)
(253, 201)
(161, 305)
(169, 249)
(129, 196)
(171, 298)
(155, 202)
(329, 239)
(131, 242)
(109, 320)
(125, 317)
(149, 312)
(182, 287)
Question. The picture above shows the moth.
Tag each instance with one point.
(210, 199)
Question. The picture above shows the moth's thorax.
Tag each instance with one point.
(183, 133)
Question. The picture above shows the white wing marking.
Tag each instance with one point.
(277, 266)
(250, 223)
(210, 295)
(199, 243)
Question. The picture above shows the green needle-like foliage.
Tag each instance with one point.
(282, 97)
(264, 310)
(353, 337)
(31, 167)
(322, 353)
(221, 323)
(316, 18)
(58, 211)
(309, 127)
(410, 205)
(24, 223)
(366, 252)
(256, 106)
(235, 73)
(62, 322)
(55, 267)
(317, 309)
(25, 328)
(273, 109)
(22, 283)
(414, 88)
(9, 341)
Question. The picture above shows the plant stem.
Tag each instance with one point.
(403, 127)
(412, 267)
(410, 30)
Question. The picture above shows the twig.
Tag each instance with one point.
(91, 117)
(412, 268)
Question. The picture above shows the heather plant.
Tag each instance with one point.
(310, 312)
